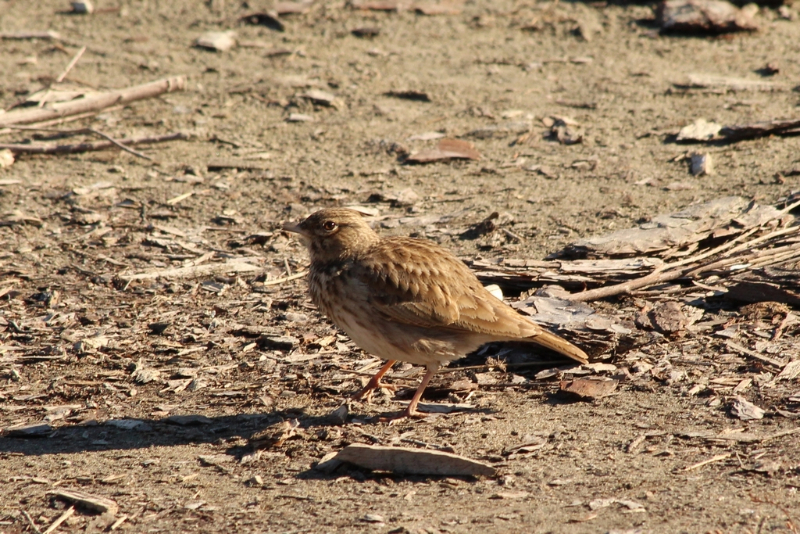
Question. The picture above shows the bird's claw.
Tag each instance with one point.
(405, 414)
(366, 393)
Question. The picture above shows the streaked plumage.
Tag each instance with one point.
(406, 299)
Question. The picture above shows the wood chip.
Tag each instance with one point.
(94, 503)
(699, 130)
(704, 16)
(789, 372)
(217, 41)
(446, 150)
(407, 461)
(589, 388)
(746, 410)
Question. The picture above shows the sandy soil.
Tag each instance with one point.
(71, 338)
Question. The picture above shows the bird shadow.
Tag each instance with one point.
(132, 434)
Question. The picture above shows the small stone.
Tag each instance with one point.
(83, 7)
(217, 41)
(6, 158)
(701, 164)
(339, 415)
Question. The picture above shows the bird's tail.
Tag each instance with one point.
(560, 345)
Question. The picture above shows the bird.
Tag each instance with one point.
(406, 299)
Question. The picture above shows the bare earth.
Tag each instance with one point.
(75, 343)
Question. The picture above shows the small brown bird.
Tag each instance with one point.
(406, 299)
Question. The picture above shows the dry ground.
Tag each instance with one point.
(72, 339)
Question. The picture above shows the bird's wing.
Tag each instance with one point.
(418, 283)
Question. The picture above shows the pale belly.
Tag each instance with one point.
(390, 340)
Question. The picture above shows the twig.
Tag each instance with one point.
(277, 281)
(30, 522)
(709, 253)
(192, 271)
(71, 64)
(488, 367)
(97, 145)
(23, 35)
(750, 244)
(691, 269)
(118, 522)
(789, 208)
(120, 145)
(656, 277)
(747, 352)
(179, 198)
(45, 124)
(63, 517)
(94, 103)
(716, 458)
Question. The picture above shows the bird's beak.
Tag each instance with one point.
(292, 227)
(296, 229)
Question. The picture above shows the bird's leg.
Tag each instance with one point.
(411, 409)
(375, 383)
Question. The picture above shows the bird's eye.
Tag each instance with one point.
(329, 225)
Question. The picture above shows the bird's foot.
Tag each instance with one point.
(409, 413)
(372, 385)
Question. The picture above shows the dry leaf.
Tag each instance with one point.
(412, 461)
(589, 388)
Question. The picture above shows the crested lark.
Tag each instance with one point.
(406, 299)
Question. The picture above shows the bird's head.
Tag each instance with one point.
(334, 234)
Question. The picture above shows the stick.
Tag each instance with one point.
(277, 281)
(63, 517)
(751, 258)
(23, 35)
(86, 131)
(94, 103)
(487, 367)
(194, 271)
(71, 64)
(668, 272)
(716, 458)
(88, 147)
(747, 352)
(45, 124)
(118, 522)
(656, 277)
(30, 521)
